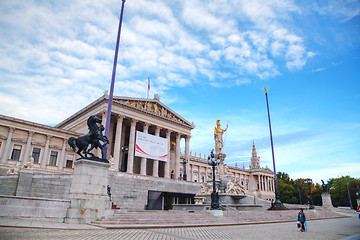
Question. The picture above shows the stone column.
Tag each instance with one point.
(177, 156)
(103, 118)
(143, 159)
(187, 153)
(62, 156)
(199, 174)
(167, 163)
(273, 184)
(130, 163)
(7, 145)
(28, 148)
(259, 183)
(156, 162)
(190, 176)
(45, 157)
(117, 146)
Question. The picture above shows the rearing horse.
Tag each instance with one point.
(92, 137)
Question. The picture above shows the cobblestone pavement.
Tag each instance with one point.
(319, 229)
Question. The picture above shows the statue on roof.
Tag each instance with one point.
(218, 137)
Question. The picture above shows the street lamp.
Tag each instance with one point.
(185, 161)
(214, 195)
(309, 182)
(347, 186)
(299, 195)
(123, 167)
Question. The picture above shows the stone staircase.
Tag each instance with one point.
(160, 219)
(128, 219)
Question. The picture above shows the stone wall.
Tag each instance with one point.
(30, 184)
(8, 185)
(131, 191)
(53, 210)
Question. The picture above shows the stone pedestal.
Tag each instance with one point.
(88, 192)
(23, 187)
(326, 201)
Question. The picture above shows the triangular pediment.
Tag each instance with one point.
(153, 107)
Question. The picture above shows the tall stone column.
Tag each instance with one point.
(28, 148)
(177, 156)
(187, 153)
(117, 146)
(143, 159)
(273, 184)
(7, 145)
(156, 162)
(103, 118)
(62, 156)
(167, 163)
(259, 182)
(130, 163)
(199, 174)
(45, 157)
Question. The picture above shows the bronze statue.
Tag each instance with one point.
(93, 138)
(325, 187)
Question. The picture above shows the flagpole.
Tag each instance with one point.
(108, 115)
(277, 203)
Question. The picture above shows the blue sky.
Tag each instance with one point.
(207, 60)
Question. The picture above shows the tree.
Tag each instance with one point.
(339, 193)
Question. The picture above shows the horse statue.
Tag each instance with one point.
(325, 187)
(93, 138)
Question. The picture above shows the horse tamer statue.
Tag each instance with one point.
(93, 139)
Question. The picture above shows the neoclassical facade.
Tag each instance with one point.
(46, 147)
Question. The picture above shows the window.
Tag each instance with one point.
(53, 158)
(16, 152)
(69, 160)
(36, 155)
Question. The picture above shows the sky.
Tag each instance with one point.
(207, 60)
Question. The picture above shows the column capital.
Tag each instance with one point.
(178, 135)
(187, 138)
(119, 117)
(146, 125)
(168, 132)
(103, 112)
(65, 140)
(133, 122)
(48, 137)
(157, 129)
(31, 133)
(11, 129)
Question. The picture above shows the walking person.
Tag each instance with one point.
(302, 219)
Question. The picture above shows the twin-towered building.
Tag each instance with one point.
(23, 141)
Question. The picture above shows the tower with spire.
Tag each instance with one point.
(255, 162)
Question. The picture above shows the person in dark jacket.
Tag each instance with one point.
(302, 219)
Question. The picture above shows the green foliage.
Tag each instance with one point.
(291, 190)
(339, 192)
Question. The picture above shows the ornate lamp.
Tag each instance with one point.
(214, 195)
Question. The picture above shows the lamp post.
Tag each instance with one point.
(214, 195)
(347, 186)
(299, 195)
(185, 161)
(123, 167)
(309, 182)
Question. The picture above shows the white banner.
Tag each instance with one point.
(150, 146)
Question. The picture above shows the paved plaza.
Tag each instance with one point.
(340, 228)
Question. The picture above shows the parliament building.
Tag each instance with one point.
(37, 161)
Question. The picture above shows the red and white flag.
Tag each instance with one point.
(148, 88)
